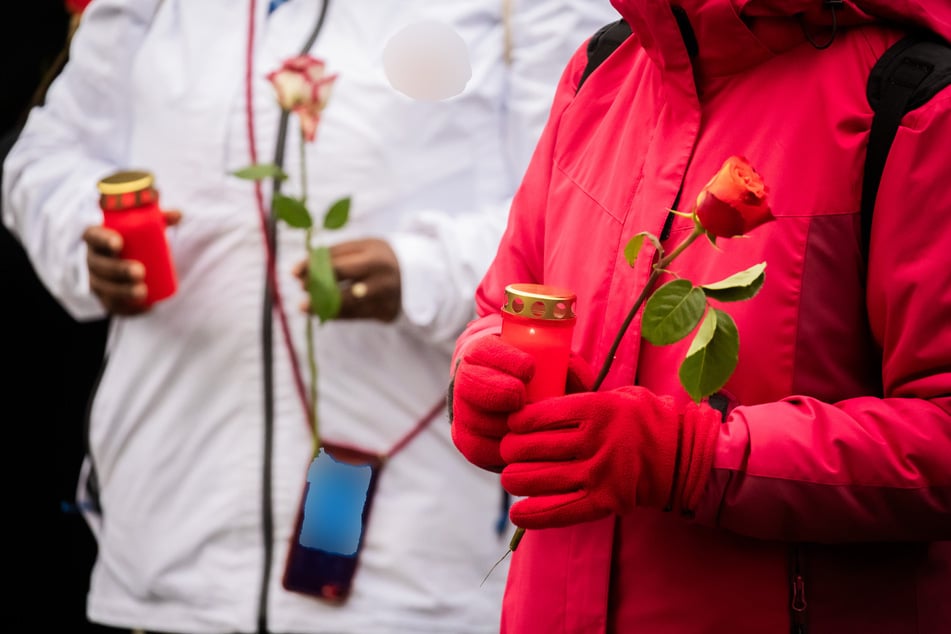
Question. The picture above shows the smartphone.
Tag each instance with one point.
(331, 521)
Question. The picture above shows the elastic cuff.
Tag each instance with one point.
(701, 428)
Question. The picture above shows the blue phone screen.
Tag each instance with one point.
(333, 510)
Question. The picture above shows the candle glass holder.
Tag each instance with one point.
(129, 203)
(540, 320)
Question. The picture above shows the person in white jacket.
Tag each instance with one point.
(198, 435)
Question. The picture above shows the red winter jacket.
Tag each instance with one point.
(828, 506)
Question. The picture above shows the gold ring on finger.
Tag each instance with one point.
(359, 290)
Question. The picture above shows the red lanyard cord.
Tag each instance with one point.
(263, 215)
(422, 424)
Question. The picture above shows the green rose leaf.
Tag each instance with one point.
(260, 172)
(672, 312)
(710, 366)
(739, 286)
(338, 214)
(708, 328)
(292, 211)
(322, 285)
(633, 247)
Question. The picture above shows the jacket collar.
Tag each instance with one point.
(733, 35)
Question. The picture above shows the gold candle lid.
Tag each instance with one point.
(539, 301)
(125, 182)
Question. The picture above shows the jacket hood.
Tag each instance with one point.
(734, 34)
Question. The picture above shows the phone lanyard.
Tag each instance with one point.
(422, 424)
(273, 300)
(268, 229)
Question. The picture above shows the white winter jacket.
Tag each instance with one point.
(198, 485)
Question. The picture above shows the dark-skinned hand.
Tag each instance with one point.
(369, 267)
(119, 284)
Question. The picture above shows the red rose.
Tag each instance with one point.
(733, 203)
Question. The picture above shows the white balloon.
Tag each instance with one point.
(428, 61)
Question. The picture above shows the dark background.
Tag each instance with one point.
(48, 363)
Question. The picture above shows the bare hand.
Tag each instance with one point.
(369, 277)
(119, 284)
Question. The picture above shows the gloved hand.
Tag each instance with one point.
(585, 456)
(488, 384)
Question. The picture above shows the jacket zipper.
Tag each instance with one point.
(267, 341)
(267, 505)
(798, 603)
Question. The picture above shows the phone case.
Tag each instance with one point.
(331, 521)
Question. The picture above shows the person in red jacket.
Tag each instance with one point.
(812, 493)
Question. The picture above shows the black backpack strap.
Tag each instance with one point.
(602, 44)
(905, 77)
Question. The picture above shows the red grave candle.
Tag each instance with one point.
(540, 320)
(129, 205)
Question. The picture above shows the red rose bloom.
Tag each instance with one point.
(734, 202)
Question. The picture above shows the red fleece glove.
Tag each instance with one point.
(589, 455)
(488, 385)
